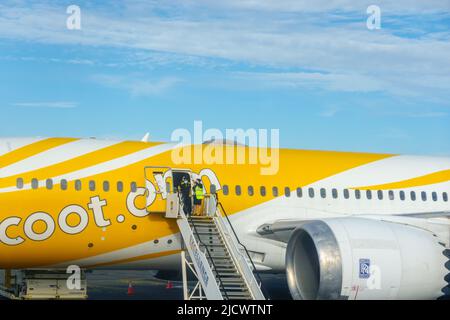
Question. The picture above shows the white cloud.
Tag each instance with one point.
(54, 104)
(429, 115)
(330, 112)
(345, 57)
(335, 82)
(135, 85)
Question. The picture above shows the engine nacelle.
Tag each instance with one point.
(359, 258)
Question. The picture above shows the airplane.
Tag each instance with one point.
(341, 225)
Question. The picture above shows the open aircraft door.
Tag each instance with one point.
(159, 183)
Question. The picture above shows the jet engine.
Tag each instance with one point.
(360, 258)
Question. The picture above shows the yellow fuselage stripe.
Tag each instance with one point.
(432, 178)
(296, 169)
(78, 163)
(134, 259)
(32, 149)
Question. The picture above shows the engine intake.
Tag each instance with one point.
(359, 258)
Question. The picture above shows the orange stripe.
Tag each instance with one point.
(32, 149)
(432, 178)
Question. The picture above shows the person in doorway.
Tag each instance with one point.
(185, 190)
(198, 197)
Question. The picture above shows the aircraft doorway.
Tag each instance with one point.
(182, 183)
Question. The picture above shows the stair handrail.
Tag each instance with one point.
(255, 271)
(189, 218)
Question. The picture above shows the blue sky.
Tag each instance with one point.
(309, 68)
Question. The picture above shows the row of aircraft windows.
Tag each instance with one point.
(64, 184)
(369, 194)
(250, 190)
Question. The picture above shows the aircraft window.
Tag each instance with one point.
(49, 184)
(119, 186)
(402, 195)
(380, 194)
(34, 183)
(275, 191)
(445, 196)
(334, 193)
(369, 194)
(346, 194)
(238, 190)
(323, 193)
(78, 185)
(434, 196)
(358, 194)
(133, 186)
(106, 186)
(311, 192)
(423, 195)
(287, 192)
(19, 183)
(213, 189)
(391, 195)
(413, 196)
(299, 192)
(250, 190)
(63, 184)
(225, 190)
(262, 190)
(92, 185)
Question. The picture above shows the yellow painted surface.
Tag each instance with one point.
(296, 169)
(432, 178)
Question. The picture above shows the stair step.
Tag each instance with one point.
(211, 239)
(216, 257)
(224, 273)
(225, 270)
(216, 248)
(202, 222)
(222, 265)
(225, 266)
(217, 251)
(232, 285)
(203, 229)
(204, 225)
(234, 290)
(236, 295)
(213, 245)
(232, 280)
(208, 233)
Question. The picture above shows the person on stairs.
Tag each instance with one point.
(185, 190)
(198, 197)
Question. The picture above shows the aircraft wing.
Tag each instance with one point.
(281, 230)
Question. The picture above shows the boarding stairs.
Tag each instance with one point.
(213, 252)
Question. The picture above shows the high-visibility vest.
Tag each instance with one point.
(199, 192)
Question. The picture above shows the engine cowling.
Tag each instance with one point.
(359, 258)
